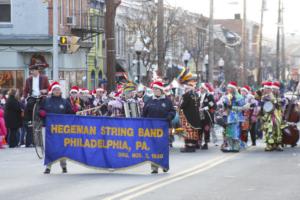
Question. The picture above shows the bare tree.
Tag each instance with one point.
(143, 22)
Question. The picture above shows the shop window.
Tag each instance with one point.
(20, 80)
(5, 11)
(12, 79)
(79, 78)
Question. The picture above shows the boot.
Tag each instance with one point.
(204, 147)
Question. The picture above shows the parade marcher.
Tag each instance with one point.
(189, 112)
(159, 106)
(58, 105)
(233, 104)
(250, 103)
(74, 99)
(130, 103)
(101, 100)
(207, 106)
(115, 105)
(271, 118)
(85, 97)
(35, 86)
(13, 118)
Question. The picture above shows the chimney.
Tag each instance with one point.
(237, 16)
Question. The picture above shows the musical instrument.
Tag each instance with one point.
(96, 111)
(132, 109)
(290, 135)
(268, 107)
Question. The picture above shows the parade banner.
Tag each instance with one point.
(105, 142)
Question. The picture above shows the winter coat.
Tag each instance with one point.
(159, 108)
(56, 105)
(3, 130)
(13, 113)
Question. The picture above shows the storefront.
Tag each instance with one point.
(12, 79)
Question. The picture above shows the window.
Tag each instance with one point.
(5, 11)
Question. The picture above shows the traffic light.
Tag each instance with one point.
(63, 43)
(73, 44)
(69, 44)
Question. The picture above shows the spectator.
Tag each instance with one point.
(3, 130)
(13, 118)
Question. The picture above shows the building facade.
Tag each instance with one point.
(26, 32)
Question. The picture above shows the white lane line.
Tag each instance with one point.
(160, 185)
(174, 176)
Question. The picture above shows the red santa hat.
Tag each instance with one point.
(267, 85)
(158, 85)
(93, 92)
(246, 88)
(276, 85)
(85, 90)
(74, 89)
(207, 87)
(232, 84)
(54, 85)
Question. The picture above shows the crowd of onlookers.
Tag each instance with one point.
(12, 128)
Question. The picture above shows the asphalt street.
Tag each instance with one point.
(211, 174)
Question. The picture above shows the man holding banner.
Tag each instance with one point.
(58, 105)
(159, 106)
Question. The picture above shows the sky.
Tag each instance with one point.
(225, 9)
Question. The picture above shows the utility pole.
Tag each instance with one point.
(55, 40)
(283, 67)
(111, 7)
(259, 71)
(160, 39)
(210, 43)
(245, 39)
(278, 41)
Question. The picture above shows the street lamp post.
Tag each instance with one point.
(186, 57)
(138, 47)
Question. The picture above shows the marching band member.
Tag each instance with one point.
(247, 112)
(74, 99)
(115, 105)
(159, 106)
(140, 97)
(233, 104)
(84, 95)
(58, 105)
(271, 118)
(207, 107)
(189, 114)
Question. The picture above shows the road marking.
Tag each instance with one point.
(148, 187)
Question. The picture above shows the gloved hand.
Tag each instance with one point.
(42, 113)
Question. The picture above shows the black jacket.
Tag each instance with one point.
(159, 108)
(13, 113)
(56, 105)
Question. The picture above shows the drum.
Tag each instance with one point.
(290, 135)
(268, 107)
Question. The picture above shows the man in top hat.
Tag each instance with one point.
(36, 85)
(207, 106)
